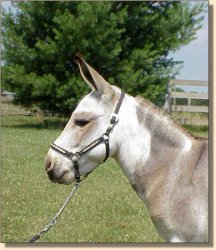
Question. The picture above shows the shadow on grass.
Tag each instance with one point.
(33, 122)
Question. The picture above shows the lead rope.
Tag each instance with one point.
(74, 158)
(53, 221)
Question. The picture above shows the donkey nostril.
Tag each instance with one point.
(48, 165)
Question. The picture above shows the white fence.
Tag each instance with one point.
(171, 106)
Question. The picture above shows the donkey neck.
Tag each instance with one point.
(165, 132)
(149, 136)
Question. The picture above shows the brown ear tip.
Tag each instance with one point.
(78, 57)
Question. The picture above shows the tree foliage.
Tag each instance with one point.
(127, 42)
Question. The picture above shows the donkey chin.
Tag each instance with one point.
(66, 178)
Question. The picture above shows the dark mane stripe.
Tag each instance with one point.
(155, 109)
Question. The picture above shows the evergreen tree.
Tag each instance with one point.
(126, 42)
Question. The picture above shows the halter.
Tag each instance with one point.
(75, 156)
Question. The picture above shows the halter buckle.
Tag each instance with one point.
(114, 118)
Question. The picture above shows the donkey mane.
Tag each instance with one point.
(146, 103)
(165, 164)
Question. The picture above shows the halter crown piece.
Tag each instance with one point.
(74, 157)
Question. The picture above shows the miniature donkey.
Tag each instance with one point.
(167, 167)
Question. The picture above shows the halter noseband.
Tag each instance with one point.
(74, 157)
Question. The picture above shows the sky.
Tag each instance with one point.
(194, 56)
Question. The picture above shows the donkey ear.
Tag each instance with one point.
(92, 77)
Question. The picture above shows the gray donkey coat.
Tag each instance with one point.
(167, 167)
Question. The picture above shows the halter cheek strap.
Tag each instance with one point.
(74, 157)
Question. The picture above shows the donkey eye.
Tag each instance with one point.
(81, 122)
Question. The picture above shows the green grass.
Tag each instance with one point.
(104, 209)
(201, 131)
(189, 115)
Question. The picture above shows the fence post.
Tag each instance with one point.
(167, 105)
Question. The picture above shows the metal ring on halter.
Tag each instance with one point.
(105, 137)
(75, 157)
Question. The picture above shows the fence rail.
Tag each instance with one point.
(172, 107)
(189, 95)
(189, 82)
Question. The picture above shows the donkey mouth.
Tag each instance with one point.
(64, 178)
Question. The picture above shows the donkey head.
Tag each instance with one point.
(88, 122)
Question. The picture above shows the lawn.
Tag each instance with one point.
(104, 209)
